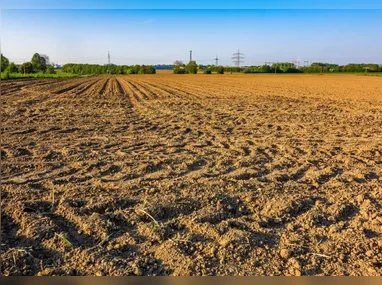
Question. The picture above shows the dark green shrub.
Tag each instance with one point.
(220, 70)
(26, 67)
(4, 63)
(12, 68)
(50, 70)
(192, 67)
(179, 70)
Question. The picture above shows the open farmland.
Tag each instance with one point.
(190, 175)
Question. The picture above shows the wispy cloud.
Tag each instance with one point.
(149, 21)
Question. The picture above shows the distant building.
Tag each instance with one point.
(56, 65)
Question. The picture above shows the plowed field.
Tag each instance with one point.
(192, 175)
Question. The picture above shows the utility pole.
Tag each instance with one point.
(190, 55)
(237, 58)
(217, 60)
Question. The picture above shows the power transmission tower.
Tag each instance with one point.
(217, 60)
(190, 55)
(237, 58)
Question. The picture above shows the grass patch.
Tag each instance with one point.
(64, 239)
(5, 75)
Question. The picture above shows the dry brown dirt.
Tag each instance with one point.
(192, 175)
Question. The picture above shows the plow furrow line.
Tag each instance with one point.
(200, 118)
(104, 87)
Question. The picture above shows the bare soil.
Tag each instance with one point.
(192, 175)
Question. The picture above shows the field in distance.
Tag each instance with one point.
(192, 175)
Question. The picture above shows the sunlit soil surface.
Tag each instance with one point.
(192, 175)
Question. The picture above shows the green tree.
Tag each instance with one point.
(36, 61)
(4, 62)
(179, 67)
(26, 67)
(39, 63)
(192, 67)
(265, 68)
(220, 70)
(141, 70)
(12, 68)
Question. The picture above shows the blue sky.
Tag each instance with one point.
(195, 4)
(144, 33)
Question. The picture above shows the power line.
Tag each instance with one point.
(198, 60)
(237, 58)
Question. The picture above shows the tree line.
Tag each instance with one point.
(319, 67)
(192, 68)
(280, 67)
(92, 69)
(38, 64)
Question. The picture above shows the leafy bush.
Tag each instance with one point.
(12, 68)
(192, 67)
(207, 71)
(6, 75)
(50, 70)
(179, 67)
(179, 70)
(147, 69)
(292, 70)
(220, 70)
